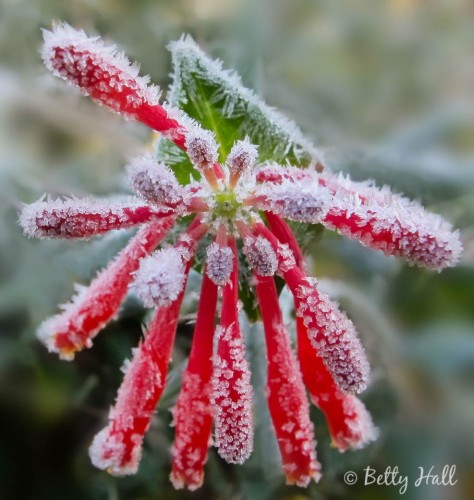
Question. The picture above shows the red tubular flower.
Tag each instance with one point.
(117, 448)
(85, 218)
(93, 307)
(349, 421)
(226, 201)
(286, 395)
(231, 389)
(193, 412)
(330, 332)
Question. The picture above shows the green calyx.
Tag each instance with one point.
(226, 205)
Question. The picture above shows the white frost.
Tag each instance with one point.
(160, 278)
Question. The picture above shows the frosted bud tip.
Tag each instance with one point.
(260, 255)
(98, 70)
(201, 147)
(219, 262)
(242, 157)
(154, 181)
(160, 278)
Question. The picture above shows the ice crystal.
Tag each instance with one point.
(154, 181)
(160, 278)
(201, 147)
(219, 263)
(260, 255)
(242, 157)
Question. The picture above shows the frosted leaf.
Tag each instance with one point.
(333, 337)
(277, 136)
(201, 147)
(94, 306)
(160, 278)
(83, 218)
(260, 255)
(98, 70)
(154, 181)
(219, 261)
(232, 397)
(298, 201)
(242, 157)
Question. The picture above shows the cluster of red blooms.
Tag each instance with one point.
(236, 200)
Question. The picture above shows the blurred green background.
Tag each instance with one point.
(385, 88)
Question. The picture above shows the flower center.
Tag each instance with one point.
(226, 205)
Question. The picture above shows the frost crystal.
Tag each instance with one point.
(232, 397)
(295, 201)
(219, 263)
(349, 422)
(260, 255)
(160, 278)
(333, 337)
(154, 181)
(201, 147)
(242, 157)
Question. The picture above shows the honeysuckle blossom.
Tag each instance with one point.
(242, 205)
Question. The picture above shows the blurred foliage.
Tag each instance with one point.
(385, 89)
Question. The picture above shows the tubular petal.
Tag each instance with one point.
(95, 306)
(287, 400)
(117, 447)
(84, 218)
(231, 389)
(349, 422)
(374, 216)
(284, 233)
(331, 333)
(192, 414)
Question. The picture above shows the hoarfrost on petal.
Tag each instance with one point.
(242, 157)
(201, 147)
(154, 181)
(219, 261)
(98, 70)
(260, 255)
(160, 278)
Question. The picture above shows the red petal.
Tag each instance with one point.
(331, 333)
(349, 421)
(94, 307)
(117, 447)
(287, 400)
(84, 218)
(232, 392)
(193, 412)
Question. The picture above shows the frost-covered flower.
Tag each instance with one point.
(237, 204)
